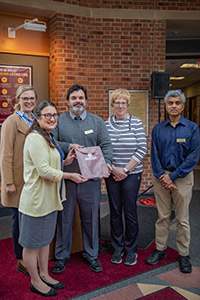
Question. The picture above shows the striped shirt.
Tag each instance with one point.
(25, 118)
(128, 141)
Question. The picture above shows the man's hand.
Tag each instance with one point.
(109, 171)
(167, 183)
(172, 187)
(109, 168)
(76, 146)
(10, 189)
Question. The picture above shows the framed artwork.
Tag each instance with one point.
(11, 77)
(138, 106)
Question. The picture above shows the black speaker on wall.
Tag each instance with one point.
(160, 84)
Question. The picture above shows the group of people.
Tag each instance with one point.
(41, 180)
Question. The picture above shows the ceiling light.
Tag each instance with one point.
(28, 25)
(194, 65)
(177, 78)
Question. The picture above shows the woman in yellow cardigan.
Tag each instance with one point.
(42, 197)
(13, 133)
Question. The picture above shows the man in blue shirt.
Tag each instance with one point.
(174, 155)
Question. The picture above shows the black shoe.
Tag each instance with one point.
(155, 257)
(117, 257)
(184, 264)
(50, 293)
(57, 286)
(60, 265)
(131, 259)
(95, 265)
(22, 268)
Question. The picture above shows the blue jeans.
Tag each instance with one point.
(122, 196)
(15, 234)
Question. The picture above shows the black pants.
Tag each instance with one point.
(15, 234)
(122, 196)
(88, 195)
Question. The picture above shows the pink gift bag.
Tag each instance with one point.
(91, 162)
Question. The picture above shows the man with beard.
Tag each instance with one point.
(174, 155)
(78, 128)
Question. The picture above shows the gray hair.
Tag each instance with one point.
(174, 94)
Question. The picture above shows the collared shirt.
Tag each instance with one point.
(82, 116)
(25, 118)
(89, 132)
(73, 116)
(175, 148)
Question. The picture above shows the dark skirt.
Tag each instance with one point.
(36, 232)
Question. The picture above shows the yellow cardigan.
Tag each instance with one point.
(42, 175)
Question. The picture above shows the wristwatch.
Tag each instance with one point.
(127, 171)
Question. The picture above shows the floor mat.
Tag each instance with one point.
(77, 277)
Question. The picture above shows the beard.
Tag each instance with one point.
(77, 109)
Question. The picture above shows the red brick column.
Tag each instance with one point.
(104, 54)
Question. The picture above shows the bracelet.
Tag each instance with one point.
(127, 171)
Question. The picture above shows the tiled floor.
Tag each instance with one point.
(185, 285)
(135, 291)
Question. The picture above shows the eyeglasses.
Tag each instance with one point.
(118, 103)
(26, 99)
(49, 116)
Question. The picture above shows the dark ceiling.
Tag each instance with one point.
(183, 46)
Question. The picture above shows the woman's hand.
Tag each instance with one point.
(70, 157)
(119, 173)
(78, 178)
(10, 189)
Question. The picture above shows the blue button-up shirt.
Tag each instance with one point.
(25, 118)
(175, 148)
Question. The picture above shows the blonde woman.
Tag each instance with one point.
(129, 148)
(13, 134)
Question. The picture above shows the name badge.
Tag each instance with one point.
(180, 140)
(88, 131)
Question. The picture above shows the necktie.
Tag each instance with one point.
(77, 118)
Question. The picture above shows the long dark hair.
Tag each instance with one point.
(36, 127)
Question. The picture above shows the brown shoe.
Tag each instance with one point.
(22, 268)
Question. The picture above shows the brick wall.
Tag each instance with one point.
(137, 4)
(104, 54)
